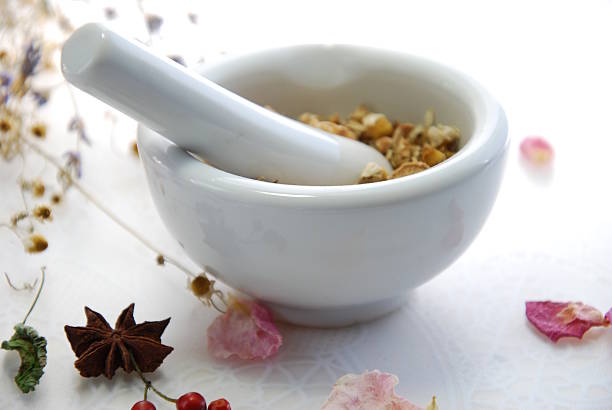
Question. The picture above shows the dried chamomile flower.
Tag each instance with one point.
(204, 289)
(309, 118)
(35, 243)
(5, 124)
(377, 125)
(564, 319)
(356, 126)
(56, 198)
(432, 156)
(383, 144)
(42, 213)
(38, 188)
(39, 130)
(200, 286)
(409, 168)
(429, 118)
(404, 153)
(440, 134)
(373, 173)
(359, 112)
(335, 118)
(327, 126)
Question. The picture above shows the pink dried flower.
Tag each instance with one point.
(246, 330)
(564, 319)
(373, 390)
(536, 150)
(608, 315)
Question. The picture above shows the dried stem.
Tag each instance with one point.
(42, 282)
(25, 286)
(76, 113)
(79, 187)
(148, 384)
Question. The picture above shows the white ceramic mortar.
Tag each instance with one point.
(335, 255)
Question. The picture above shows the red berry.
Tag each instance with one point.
(191, 401)
(219, 404)
(143, 405)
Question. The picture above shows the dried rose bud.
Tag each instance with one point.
(200, 286)
(35, 243)
(160, 260)
(38, 188)
(39, 130)
(536, 150)
(42, 212)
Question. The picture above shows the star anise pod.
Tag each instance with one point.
(101, 349)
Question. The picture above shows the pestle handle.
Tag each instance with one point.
(227, 130)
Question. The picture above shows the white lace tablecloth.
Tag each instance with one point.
(463, 336)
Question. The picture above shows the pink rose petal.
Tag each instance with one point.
(246, 330)
(567, 319)
(536, 150)
(609, 316)
(368, 391)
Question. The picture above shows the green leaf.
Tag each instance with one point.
(32, 350)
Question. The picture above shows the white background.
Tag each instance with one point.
(463, 336)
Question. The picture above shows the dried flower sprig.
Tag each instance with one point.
(32, 347)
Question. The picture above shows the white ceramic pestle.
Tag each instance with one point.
(200, 116)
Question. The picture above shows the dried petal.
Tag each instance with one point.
(246, 330)
(536, 150)
(564, 319)
(372, 390)
(31, 59)
(608, 315)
